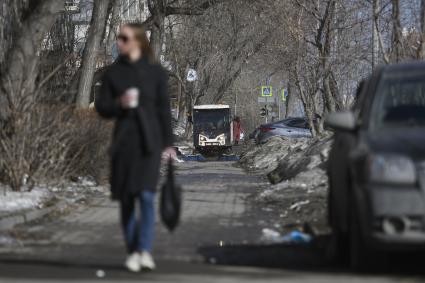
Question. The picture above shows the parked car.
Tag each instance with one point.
(377, 167)
(253, 135)
(289, 127)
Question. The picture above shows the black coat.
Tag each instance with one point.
(140, 134)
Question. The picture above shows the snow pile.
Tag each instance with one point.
(6, 240)
(266, 157)
(297, 170)
(299, 201)
(16, 201)
(82, 190)
(179, 129)
(184, 149)
(310, 155)
(87, 181)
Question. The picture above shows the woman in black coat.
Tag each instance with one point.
(134, 93)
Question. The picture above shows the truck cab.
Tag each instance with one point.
(212, 128)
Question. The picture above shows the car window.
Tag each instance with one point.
(297, 123)
(400, 102)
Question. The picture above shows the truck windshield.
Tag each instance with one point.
(400, 102)
(211, 119)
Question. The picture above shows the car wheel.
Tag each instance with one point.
(338, 243)
(362, 257)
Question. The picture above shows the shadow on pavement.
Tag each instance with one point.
(55, 270)
(293, 256)
(312, 257)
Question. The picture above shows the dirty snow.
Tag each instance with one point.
(16, 201)
(266, 157)
(6, 240)
(179, 129)
(79, 191)
(296, 171)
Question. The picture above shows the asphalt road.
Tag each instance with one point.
(217, 241)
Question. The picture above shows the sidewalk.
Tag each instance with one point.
(219, 220)
(214, 213)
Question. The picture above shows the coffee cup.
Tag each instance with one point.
(133, 94)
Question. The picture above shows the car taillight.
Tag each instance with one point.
(265, 130)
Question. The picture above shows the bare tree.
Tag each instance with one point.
(161, 9)
(18, 80)
(421, 48)
(375, 32)
(91, 51)
(397, 45)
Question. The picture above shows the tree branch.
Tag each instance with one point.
(196, 9)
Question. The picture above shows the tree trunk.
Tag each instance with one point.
(157, 34)
(18, 80)
(421, 49)
(290, 103)
(375, 36)
(397, 53)
(307, 101)
(113, 26)
(91, 49)
(325, 31)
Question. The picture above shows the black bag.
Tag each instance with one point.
(170, 203)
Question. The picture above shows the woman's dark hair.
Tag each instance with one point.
(142, 38)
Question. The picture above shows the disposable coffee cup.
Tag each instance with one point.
(133, 94)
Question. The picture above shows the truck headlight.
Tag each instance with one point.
(221, 139)
(202, 138)
(392, 169)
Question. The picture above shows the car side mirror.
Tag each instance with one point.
(341, 121)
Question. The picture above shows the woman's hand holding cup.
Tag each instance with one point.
(130, 98)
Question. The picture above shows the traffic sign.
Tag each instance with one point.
(192, 75)
(284, 94)
(266, 91)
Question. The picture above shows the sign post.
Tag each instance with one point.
(266, 97)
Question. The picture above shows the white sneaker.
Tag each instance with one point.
(146, 261)
(133, 262)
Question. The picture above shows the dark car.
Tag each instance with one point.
(377, 167)
(253, 134)
(296, 127)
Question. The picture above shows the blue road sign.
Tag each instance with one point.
(284, 94)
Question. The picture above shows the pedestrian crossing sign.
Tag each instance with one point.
(266, 91)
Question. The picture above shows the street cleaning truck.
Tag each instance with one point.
(212, 129)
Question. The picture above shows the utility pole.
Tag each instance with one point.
(236, 103)
(279, 102)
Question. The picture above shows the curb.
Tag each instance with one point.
(10, 221)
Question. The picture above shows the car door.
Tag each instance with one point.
(298, 128)
(339, 163)
(339, 177)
